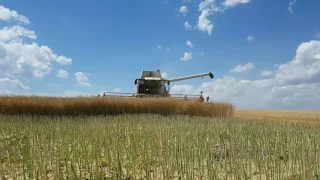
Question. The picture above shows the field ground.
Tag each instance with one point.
(106, 138)
(311, 117)
(158, 147)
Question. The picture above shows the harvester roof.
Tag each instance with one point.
(150, 74)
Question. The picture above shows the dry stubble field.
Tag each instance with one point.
(184, 141)
(303, 117)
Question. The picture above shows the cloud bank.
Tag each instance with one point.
(292, 85)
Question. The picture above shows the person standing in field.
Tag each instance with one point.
(201, 98)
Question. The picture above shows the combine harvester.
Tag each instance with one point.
(152, 85)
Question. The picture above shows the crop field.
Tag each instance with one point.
(300, 117)
(44, 138)
(91, 106)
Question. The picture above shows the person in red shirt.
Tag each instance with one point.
(201, 98)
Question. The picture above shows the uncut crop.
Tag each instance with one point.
(156, 147)
(88, 106)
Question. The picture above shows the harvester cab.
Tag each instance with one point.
(152, 84)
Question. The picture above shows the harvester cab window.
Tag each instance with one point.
(141, 81)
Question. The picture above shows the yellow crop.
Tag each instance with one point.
(27, 105)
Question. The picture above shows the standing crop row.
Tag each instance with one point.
(156, 147)
(92, 106)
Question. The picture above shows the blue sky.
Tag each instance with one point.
(103, 45)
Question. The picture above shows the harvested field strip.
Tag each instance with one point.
(22, 105)
(301, 117)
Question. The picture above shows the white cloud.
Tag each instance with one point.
(232, 3)
(12, 84)
(291, 3)
(29, 60)
(189, 43)
(304, 68)
(204, 24)
(187, 56)
(300, 96)
(63, 60)
(15, 33)
(242, 68)
(82, 79)
(295, 86)
(201, 53)
(19, 59)
(250, 38)
(168, 49)
(164, 75)
(183, 10)
(242, 93)
(62, 73)
(181, 89)
(8, 15)
(265, 73)
(159, 47)
(187, 25)
(206, 5)
(117, 90)
(208, 8)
